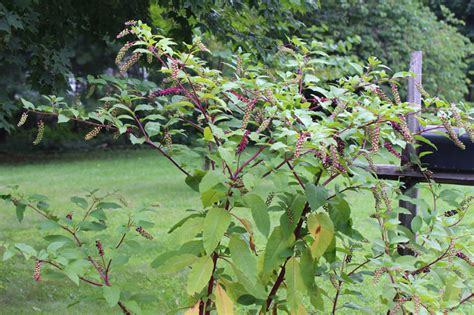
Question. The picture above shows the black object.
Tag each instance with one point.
(447, 157)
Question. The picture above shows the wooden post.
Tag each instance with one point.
(408, 186)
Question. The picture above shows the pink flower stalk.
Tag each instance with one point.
(244, 142)
(167, 91)
(240, 97)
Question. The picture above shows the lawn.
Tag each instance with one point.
(149, 180)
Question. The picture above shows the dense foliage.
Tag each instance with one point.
(392, 29)
(40, 53)
(274, 225)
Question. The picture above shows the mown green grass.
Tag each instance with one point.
(142, 177)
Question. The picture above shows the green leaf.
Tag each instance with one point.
(259, 213)
(111, 295)
(208, 134)
(289, 219)
(321, 229)
(226, 155)
(216, 223)
(79, 201)
(72, 275)
(416, 224)
(200, 274)
(276, 251)
(92, 226)
(194, 180)
(175, 263)
(27, 105)
(135, 140)
(243, 257)
(317, 196)
(8, 254)
(152, 128)
(295, 284)
(108, 205)
(26, 250)
(62, 118)
(188, 230)
(340, 214)
(20, 211)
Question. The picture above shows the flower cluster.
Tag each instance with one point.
(130, 62)
(121, 53)
(93, 133)
(244, 142)
(299, 144)
(23, 119)
(374, 135)
(452, 133)
(396, 94)
(39, 135)
(247, 112)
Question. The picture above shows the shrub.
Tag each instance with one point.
(270, 152)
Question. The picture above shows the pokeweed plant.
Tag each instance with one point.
(280, 150)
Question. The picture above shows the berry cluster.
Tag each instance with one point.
(37, 271)
(382, 95)
(452, 134)
(247, 112)
(23, 119)
(378, 274)
(391, 149)
(374, 134)
(144, 233)
(168, 91)
(450, 213)
(264, 125)
(98, 244)
(269, 200)
(168, 140)
(395, 93)
(403, 129)
(299, 144)
(130, 62)
(122, 51)
(93, 133)
(39, 135)
(464, 257)
(335, 159)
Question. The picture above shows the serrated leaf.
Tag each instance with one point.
(224, 304)
(200, 274)
(215, 224)
(321, 229)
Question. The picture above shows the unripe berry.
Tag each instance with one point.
(39, 135)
